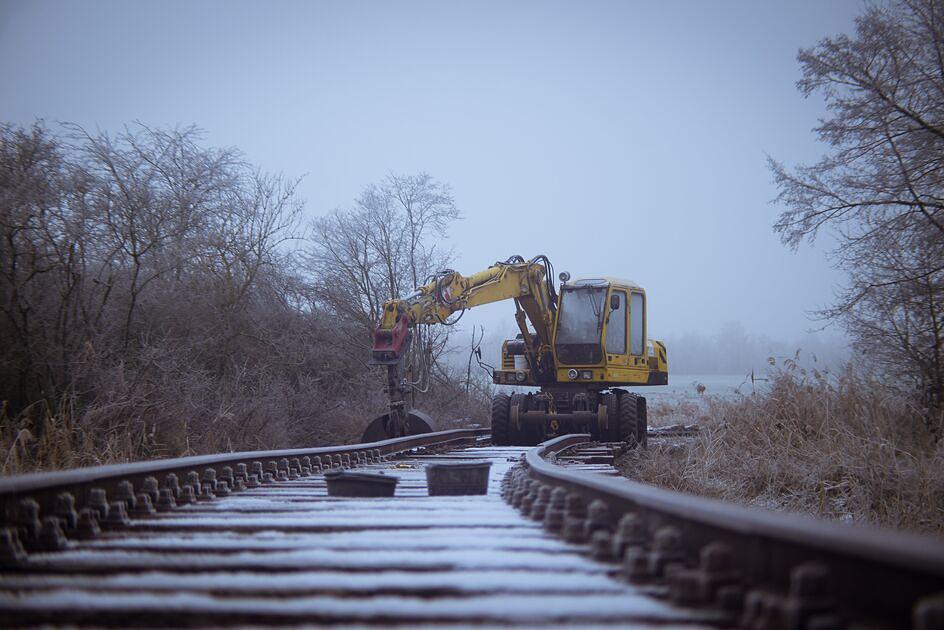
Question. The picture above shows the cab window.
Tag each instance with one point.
(637, 317)
(616, 325)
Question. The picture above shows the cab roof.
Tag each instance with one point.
(606, 280)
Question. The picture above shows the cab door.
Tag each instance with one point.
(637, 328)
(616, 329)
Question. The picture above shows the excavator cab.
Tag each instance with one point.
(601, 332)
(599, 339)
(599, 344)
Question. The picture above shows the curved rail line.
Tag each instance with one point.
(253, 538)
(765, 569)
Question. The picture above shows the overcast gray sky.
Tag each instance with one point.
(618, 138)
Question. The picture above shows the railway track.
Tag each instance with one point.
(254, 539)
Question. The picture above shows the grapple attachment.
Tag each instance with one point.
(389, 426)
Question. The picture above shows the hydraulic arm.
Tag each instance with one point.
(445, 295)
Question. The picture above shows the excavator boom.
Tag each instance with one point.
(450, 292)
(446, 294)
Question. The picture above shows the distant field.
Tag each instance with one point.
(838, 446)
(684, 387)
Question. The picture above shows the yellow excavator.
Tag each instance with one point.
(577, 345)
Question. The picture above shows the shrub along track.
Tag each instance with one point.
(262, 543)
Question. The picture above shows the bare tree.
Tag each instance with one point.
(31, 172)
(147, 287)
(384, 246)
(152, 301)
(880, 189)
(154, 193)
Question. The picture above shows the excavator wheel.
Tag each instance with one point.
(628, 419)
(615, 433)
(612, 417)
(642, 422)
(501, 420)
(382, 427)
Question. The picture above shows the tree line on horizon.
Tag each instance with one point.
(735, 350)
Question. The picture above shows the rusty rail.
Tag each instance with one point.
(759, 565)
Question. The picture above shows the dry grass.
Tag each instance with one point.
(841, 447)
(42, 438)
(141, 417)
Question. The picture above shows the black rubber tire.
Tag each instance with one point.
(501, 420)
(594, 429)
(615, 425)
(642, 422)
(628, 420)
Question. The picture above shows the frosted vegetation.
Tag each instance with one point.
(159, 297)
(863, 443)
(841, 446)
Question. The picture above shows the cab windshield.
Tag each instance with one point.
(579, 324)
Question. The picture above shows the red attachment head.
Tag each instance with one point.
(388, 343)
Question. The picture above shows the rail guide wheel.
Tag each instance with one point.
(385, 427)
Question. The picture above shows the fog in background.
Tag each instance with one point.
(621, 139)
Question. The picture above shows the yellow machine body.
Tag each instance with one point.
(576, 343)
(631, 360)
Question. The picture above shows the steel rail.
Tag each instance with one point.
(874, 573)
(287, 551)
(44, 488)
(761, 568)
